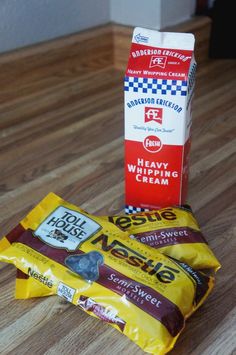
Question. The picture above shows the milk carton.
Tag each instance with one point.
(158, 87)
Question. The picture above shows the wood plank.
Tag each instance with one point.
(223, 337)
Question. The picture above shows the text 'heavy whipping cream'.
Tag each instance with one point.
(158, 87)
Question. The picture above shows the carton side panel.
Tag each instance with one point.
(152, 180)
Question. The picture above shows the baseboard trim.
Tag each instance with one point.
(93, 49)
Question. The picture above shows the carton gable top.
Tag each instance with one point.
(160, 55)
(171, 40)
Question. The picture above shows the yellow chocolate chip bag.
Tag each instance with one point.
(174, 231)
(95, 265)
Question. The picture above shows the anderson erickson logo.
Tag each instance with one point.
(153, 114)
(158, 61)
(67, 229)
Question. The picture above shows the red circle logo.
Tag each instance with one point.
(152, 144)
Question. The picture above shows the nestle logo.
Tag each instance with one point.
(152, 144)
(157, 61)
(153, 114)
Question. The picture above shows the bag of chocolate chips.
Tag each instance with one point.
(95, 265)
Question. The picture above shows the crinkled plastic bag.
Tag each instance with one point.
(95, 265)
(174, 231)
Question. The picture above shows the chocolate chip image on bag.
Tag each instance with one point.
(139, 291)
(86, 265)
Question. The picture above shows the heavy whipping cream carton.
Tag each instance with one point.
(158, 87)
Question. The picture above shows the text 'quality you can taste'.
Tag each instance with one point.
(158, 86)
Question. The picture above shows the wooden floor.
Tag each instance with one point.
(61, 130)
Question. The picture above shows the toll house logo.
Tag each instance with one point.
(152, 144)
(66, 229)
(157, 61)
(153, 114)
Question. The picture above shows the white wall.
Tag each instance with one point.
(176, 11)
(23, 22)
(144, 13)
(156, 14)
